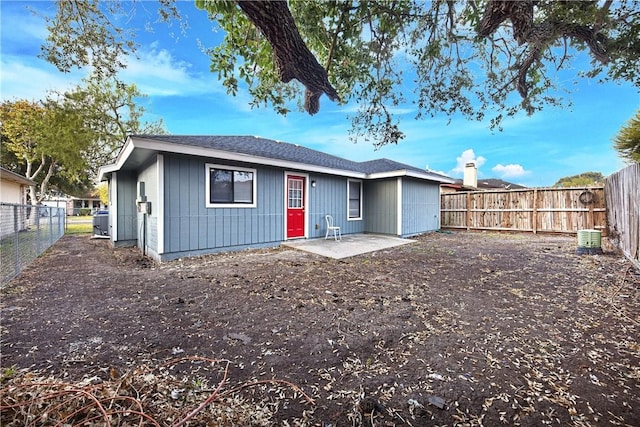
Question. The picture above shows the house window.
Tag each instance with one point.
(354, 199)
(230, 187)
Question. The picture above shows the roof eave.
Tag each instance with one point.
(412, 174)
(172, 147)
(104, 172)
(14, 177)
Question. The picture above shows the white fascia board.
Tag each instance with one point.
(239, 157)
(431, 177)
(14, 177)
(382, 175)
(103, 171)
(411, 174)
(124, 154)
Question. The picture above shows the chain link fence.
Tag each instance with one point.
(26, 231)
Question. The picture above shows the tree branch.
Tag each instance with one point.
(542, 34)
(293, 58)
(334, 41)
(38, 169)
(533, 56)
(602, 12)
(44, 185)
(497, 11)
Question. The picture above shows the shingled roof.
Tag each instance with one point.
(490, 184)
(6, 174)
(256, 148)
(261, 147)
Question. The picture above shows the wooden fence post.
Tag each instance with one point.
(534, 220)
(468, 211)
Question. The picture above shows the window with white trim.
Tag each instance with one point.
(354, 199)
(230, 186)
(295, 193)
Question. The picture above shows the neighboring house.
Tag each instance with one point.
(472, 183)
(13, 190)
(482, 185)
(176, 196)
(85, 205)
(13, 187)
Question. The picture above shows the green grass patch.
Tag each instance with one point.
(78, 228)
(73, 218)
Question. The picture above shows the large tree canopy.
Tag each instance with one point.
(109, 111)
(627, 141)
(466, 57)
(581, 180)
(61, 141)
(46, 139)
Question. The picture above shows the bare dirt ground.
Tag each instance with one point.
(455, 329)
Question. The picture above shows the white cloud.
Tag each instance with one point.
(21, 80)
(157, 72)
(21, 26)
(439, 172)
(468, 156)
(509, 171)
(154, 71)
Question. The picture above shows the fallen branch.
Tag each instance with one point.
(24, 401)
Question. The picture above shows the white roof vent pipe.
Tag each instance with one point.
(470, 175)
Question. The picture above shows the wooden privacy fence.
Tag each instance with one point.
(549, 210)
(622, 190)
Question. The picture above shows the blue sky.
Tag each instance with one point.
(174, 73)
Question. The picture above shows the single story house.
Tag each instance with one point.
(13, 187)
(74, 206)
(489, 184)
(470, 182)
(175, 196)
(13, 197)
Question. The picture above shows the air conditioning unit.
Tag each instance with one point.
(101, 224)
(589, 242)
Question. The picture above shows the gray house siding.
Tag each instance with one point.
(420, 206)
(381, 206)
(191, 228)
(329, 197)
(127, 213)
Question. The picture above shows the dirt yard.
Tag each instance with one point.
(455, 329)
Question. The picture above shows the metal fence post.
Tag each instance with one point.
(51, 226)
(16, 243)
(36, 212)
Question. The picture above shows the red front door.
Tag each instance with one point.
(295, 206)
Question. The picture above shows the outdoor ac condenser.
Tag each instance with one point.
(101, 223)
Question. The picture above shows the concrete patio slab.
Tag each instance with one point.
(350, 245)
